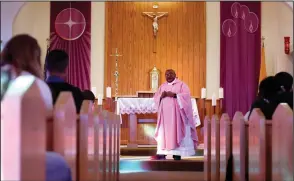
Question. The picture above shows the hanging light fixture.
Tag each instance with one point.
(155, 5)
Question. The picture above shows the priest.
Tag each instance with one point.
(176, 129)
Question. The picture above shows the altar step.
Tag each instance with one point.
(146, 150)
(162, 176)
(134, 164)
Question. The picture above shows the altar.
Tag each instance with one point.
(140, 116)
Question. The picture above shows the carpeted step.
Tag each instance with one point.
(162, 176)
(147, 151)
(143, 164)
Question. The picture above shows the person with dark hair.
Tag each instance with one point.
(268, 90)
(285, 81)
(285, 94)
(21, 57)
(57, 63)
(88, 95)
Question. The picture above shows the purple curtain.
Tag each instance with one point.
(240, 45)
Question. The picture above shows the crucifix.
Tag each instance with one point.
(155, 16)
(116, 74)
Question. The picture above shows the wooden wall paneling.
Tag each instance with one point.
(141, 42)
(134, 69)
(180, 40)
(119, 43)
(169, 40)
(172, 36)
(190, 48)
(196, 38)
(107, 43)
(161, 41)
(185, 36)
(202, 56)
(150, 57)
(129, 24)
(181, 44)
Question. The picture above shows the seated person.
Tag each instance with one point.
(268, 89)
(88, 95)
(57, 63)
(285, 94)
(21, 56)
(57, 167)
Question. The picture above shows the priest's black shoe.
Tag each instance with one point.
(158, 157)
(177, 157)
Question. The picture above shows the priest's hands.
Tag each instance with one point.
(167, 94)
(170, 94)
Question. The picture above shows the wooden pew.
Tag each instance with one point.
(65, 136)
(207, 149)
(23, 133)
(98, 138)
(85, 145)
(108, 154)
(259, 150)
(262, 149)
(282, 143)
(115, 146)
(215, 148)
(225, 145)
(93, 137)
(240, 147)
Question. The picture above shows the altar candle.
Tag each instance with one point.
(100, 99)
(203, 93)
(221, 93)
(108, 92)
(213, 99)
(94, 90)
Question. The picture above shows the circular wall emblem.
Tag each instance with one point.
(251, 22)
(229, 28)
(70, 24)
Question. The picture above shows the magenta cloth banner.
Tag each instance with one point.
(240, 46)
(70, 30)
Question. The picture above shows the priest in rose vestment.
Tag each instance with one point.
(176, 129)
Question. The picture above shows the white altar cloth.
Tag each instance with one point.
(147, 106)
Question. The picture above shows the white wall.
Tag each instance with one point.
(277, 22)
(97, 42)
(212, 48)
(8, 12)
(33, 18)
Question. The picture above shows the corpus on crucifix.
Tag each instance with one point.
(155, 16)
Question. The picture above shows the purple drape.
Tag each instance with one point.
(70, 30)
(240, 45)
